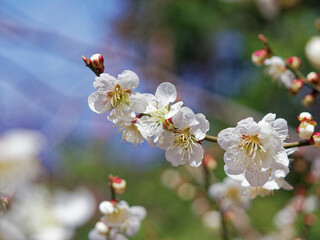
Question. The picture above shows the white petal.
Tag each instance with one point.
(281, 127)
(199, 130)
(166, 93)
(139, 102)
(98, 103)
(128, 80)
(174, 109)
(175, 158)
(257, 178)
(196, 155)
(227, 138)
(105, 82)
(270, 117)
(165, 140)
(236, 161)
(184, 118)
(139, 212)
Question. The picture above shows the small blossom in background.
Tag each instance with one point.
(39, 215)
(312, 51)
(19, 150)
(182, 144)
(255, 150)
(229, 194)
(276, 68)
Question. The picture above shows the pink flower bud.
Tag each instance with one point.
(97, 62)
(119, 185)
(305, 130)
(305, 116)
(308, 100)
(209, 162)
(259, 56)
(296, 86)
(315, 140)
(293, 62)
(313, 77)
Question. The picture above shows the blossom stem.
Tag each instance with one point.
(224, 230)
(211, 138)
(296, 144)
(89, 65)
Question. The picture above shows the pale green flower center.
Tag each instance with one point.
(250, 144)
(183, 140)
(119, 97)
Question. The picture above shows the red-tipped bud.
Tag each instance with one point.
(305, 130)
(313, 77)
(296, 86)
(118, 184)
(168, 124)
(308, 100)
(305, 116)
(293, 62)
(262, 38)
(315, 140)
(97, 62)
(258, 57)
(209, 162)
(86, 60)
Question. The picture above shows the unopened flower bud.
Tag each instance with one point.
(259, 56)
(305, 130)
(308, 100)
(293, 62)
(168, 124)
(296, 86)
(102, 228)
(209, 162)
(262, 38)
(119, 185)
(305, 116)
(313, 77)
(315, 140)
(106, 207)
(97, 62)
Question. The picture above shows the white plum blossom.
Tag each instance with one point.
(229, 193)
(122, 220)
(116, 95)
(159, 109)
(19, 150)
(132, 131)
(255, 150)
(276, 68)
(182, 145)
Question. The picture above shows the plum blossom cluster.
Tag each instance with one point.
(255, 155)
(154, 118)
(119, 221)
(287, 72)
